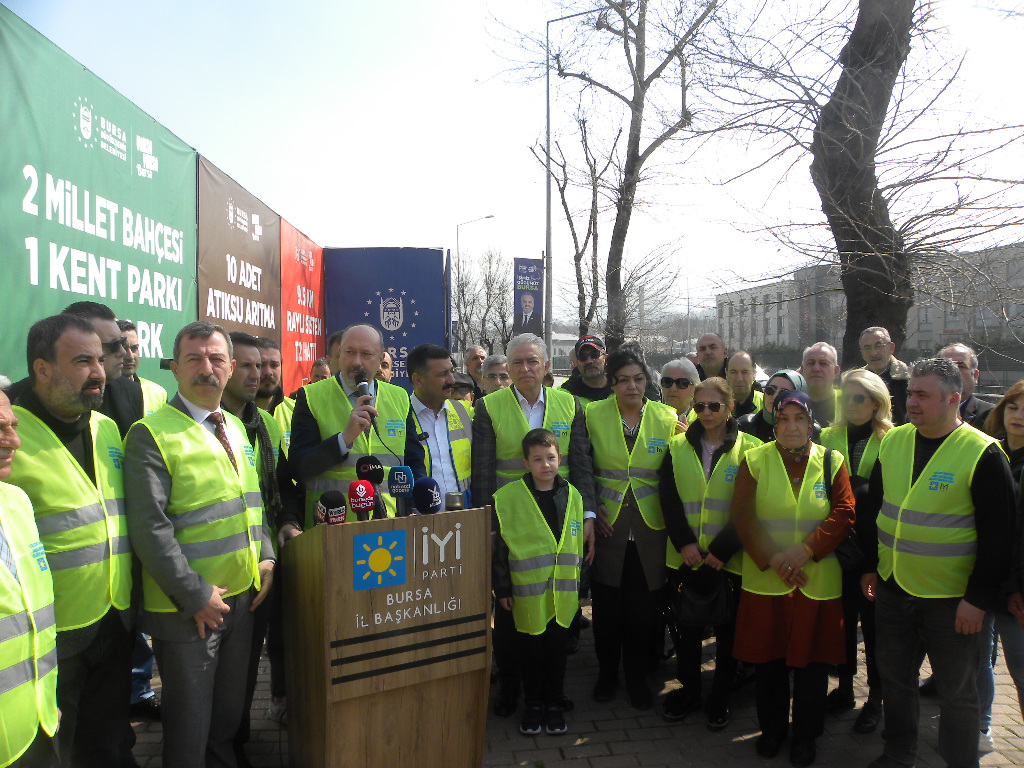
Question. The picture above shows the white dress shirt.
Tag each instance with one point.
(442, 466)
(534, 413)
(201, 415)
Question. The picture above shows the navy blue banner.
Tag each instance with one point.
(401, 291)
(528, 286)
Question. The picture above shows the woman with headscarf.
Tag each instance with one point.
(696, 491)
(761, 424)
(792, 507)
(629, 436)
(864, 418)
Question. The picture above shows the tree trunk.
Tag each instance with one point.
(874, 267)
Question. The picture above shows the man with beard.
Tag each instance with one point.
(712, 355)
(153, 395)
(334, 425)
(122, 399)
(195, 514)
(439, 433)
(591, 384)
(255, 377)
(820, 369)
(82, 528)
(319, 371)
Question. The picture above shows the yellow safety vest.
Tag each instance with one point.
(926, 534)
(217, 513)
(81, 523)
(331, 408)
(274, 430)
(706, 502)
(283, 416)
(545, 573)
(153, 395)
(836, 439)
(28, 632)
(510, 427)
(616, 470)
(790, 518)
(460, 438)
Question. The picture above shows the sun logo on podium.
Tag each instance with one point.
(379, 560)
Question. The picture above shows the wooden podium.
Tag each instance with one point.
(387, 633)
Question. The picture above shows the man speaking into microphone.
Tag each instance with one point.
(334, 424)
(439, 433)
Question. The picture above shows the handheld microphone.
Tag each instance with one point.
(426, 496)
(361, 498)
(400, 486)
(369, 468)
(331, 508)
(364, 390)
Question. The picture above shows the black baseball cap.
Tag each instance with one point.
(593, 341)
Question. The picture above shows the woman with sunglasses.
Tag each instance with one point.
(865, 417)
(791, 515)
(678, 378)
(1006, 421)
(629, 435)
(762, 423)
(696, 492)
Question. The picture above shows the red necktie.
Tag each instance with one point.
(222, 435)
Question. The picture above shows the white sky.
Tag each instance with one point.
(389, 123)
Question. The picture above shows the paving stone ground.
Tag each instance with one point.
(614, 735)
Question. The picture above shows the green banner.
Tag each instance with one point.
(97, 202)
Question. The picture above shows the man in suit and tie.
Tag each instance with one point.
(196, 520)
(528, 322)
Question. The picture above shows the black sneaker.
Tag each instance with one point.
(718, 716)
(678, 704)
(533, 721)
(554, 720)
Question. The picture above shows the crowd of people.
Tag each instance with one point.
(773, 515)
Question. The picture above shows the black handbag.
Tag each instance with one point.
(849, 553)
(701, 598)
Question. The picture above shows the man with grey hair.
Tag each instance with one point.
(197, 524)
(973, 410)
(877, 350)
(495, 374)
(712, 356)
(501, 422)
(936, 561)
(820, 368)
(473, 361)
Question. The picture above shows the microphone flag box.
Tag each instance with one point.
(400, 481)
(361, 496)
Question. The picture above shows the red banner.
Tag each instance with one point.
(302, 306)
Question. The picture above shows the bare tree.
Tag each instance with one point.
(482, 300)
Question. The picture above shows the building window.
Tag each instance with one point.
(782, 326)
(766, 327)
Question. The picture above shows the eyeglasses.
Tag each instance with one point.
(592, 354)
(855, 399)
(116, 344)
(668, 381)
(498, 376)
(713, 407)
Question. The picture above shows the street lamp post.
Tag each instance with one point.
(471, 221)
(548, 263)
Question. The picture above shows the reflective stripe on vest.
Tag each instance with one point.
(789, 518)
(460, 441)
(706, 503)
(81, 523)
(545, 573)
(836, 439)
(216, 513)
(617, 470)
(331, 408)
(510, 427)
(28, 632)
(926, 535)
